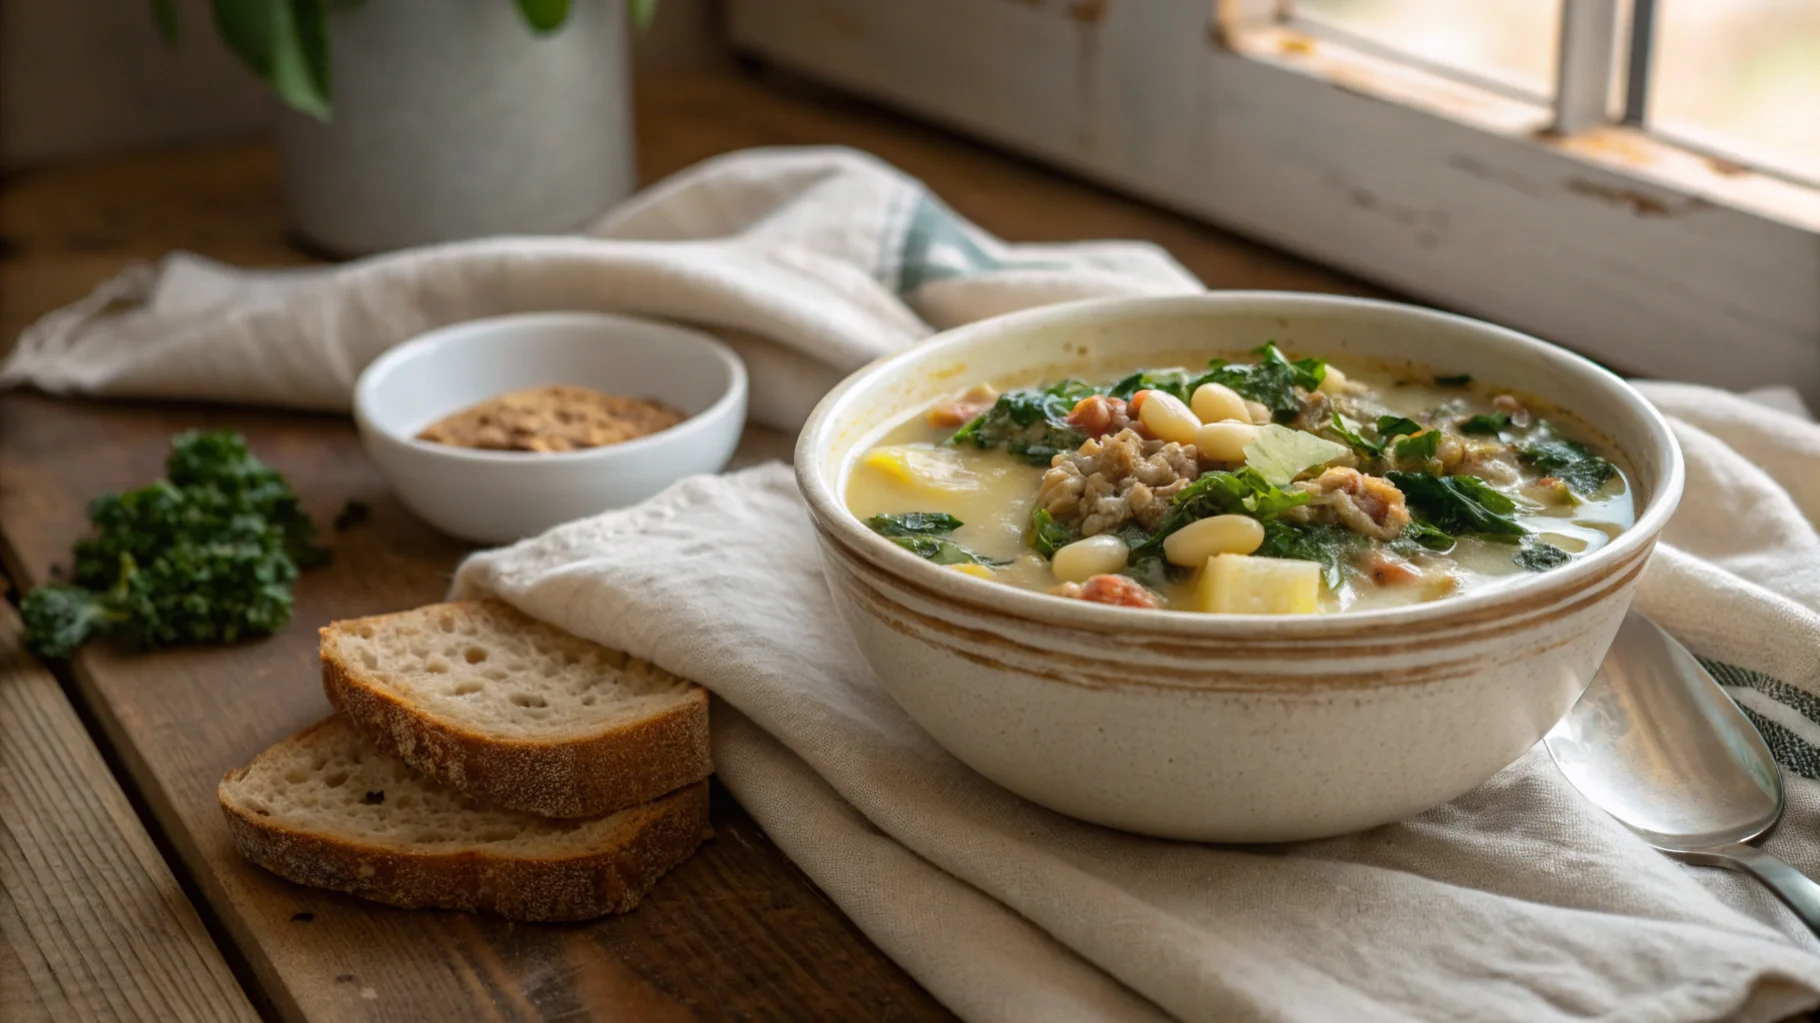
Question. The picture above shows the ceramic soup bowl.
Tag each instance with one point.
(1230, 728)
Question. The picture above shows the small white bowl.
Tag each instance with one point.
(501, 496)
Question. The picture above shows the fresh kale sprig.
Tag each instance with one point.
(206, 555)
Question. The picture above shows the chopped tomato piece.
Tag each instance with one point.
(1097, 416)
(1119, 590)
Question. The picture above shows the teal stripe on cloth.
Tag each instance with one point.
(936, 247)
(1790, 750)
(1803, 702)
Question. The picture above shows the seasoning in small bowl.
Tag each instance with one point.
(551, 418)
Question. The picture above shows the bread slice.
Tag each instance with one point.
(514, 712)
(324, 809)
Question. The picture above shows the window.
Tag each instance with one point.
(1739, 77)
(1637, 179)
(1502, 42)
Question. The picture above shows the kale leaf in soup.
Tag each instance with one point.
(924, 534)
(1267, 485)
(1562, 459)
(1031, 422)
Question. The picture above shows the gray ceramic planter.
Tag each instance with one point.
(452, 120)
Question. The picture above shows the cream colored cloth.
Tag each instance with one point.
(810, 262)
(1516, 902)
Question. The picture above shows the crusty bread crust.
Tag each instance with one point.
(664, 832)
(620, 767)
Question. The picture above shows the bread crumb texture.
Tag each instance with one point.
(487, 667)
(554, 418)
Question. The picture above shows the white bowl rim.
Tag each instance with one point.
(1665, 488)
(367, 384)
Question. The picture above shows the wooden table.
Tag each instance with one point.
(98, 925)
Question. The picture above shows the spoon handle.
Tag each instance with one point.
(1792, 886)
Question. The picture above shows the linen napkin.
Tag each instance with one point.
(810, 262)
(1518, 901)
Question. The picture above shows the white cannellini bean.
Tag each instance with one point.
(1259, 413)
(1224, 442)
(1097, 555)
(1334, 382)
(1216, 403)
(1194, 543)
(1167, 418)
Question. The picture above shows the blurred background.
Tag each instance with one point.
(1737, 76)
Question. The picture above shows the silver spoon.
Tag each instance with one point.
(1658, 745)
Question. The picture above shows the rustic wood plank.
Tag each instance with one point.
(94, 926)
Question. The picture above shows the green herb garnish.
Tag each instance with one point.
(1243, 491)
(1458, 504)
(1271, 381)
(1348, 431)
(1540, 555)
(914, 524)
(1393, 426)
(1045, 535)
(924, 535)
(1169, 381)
(1418, 448)
(1330, 545)
(1424, 535)
(1454, 380)
(1486, 424)
(1563, 459)
(206, 555)
(1030, 422)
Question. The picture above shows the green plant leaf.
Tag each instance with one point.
(284, 42)
(1348, 431)
(1486, 424)
(1046, 536)
(914, 524)
(643, 12)
(164, 15)
(545, 15)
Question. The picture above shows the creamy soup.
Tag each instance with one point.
(1263, 485)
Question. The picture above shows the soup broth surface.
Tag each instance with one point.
(1436, 486)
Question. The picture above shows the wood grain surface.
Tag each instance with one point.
(736, 932)
(92, 924)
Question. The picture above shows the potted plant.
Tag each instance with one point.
(410, 122)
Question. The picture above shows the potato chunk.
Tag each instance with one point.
(1243, 584)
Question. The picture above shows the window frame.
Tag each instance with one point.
(1654, 258)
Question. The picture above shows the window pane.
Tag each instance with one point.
(1742, 76)
(1509, 41)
